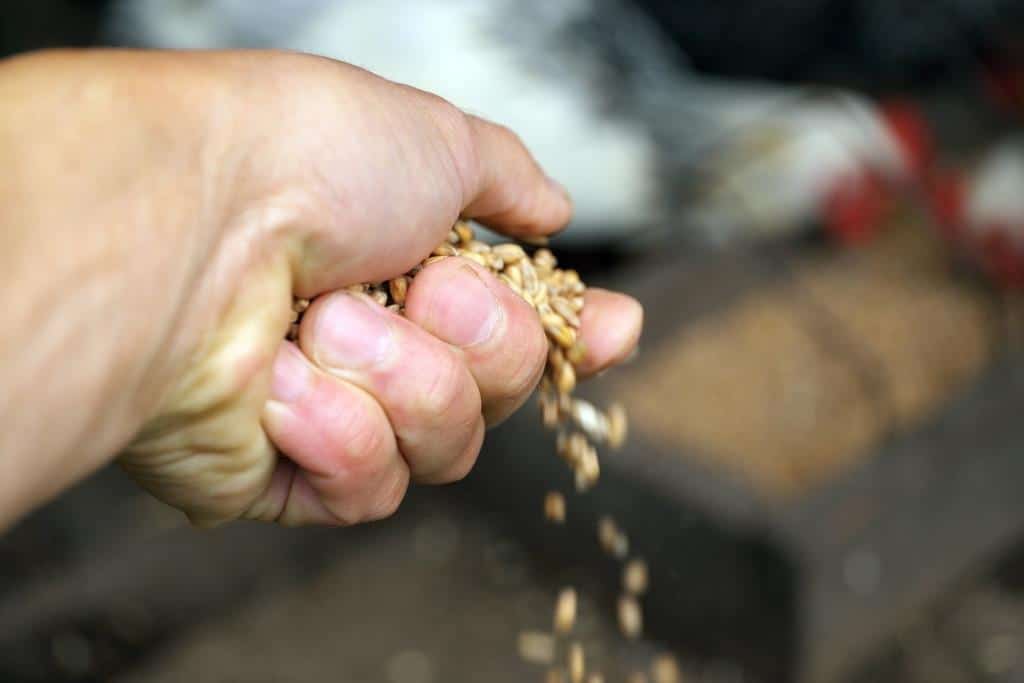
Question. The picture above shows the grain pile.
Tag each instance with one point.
(557, 296)
(798, 380)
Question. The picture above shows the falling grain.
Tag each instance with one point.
(554, 507)
(577, 665)
(634, 577)
(565, 611)
(631, 620)
(537, 647)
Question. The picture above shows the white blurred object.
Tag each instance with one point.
(597, 95)
(982, 212)
(995, 196)
(209, 23)
(780, 157)
(454, 48)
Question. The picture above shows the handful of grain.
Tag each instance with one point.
(557, 296)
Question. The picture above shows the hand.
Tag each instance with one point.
(255, 177)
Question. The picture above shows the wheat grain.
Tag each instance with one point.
(565, 611)
(537, 647)
(554, 507)
(577, 665)
(631, 620)
(634, 577)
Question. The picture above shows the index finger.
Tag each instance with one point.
(510, 192)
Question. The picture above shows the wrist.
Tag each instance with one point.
(110, 207)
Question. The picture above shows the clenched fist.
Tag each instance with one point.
(158, 213)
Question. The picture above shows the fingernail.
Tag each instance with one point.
(465, 311)
(291, 376)
(351, 333)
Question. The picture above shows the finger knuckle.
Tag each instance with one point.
(448, 392)
(364, 442)
(507, 136)
(463, 465)
(389, 499)
(525, 371)
(456, 131)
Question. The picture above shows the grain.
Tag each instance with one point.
(479, 259)
(531, 283)
(516, 276)
(563, 308)
(631, 620)
(566, 381)
(544, 260)
(554, 507)
(589, 419)
(511, 284)
(537, 647)
(575, 446)
(612, 539)
(618, 425)
(565, 611)
(555, 676)
(548, 410)
(566, 337)
(576, 353)
(398, 288)
(634, 577)
(588, 470)
(509, 253)
(665, 669)
(577, 665)
(464, 232)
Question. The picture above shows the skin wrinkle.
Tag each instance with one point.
(524, 387)
(459, 147)
(54, 335)
(168, 340)
(288, 487)
(443, 393)
(216, 195)
(362, 444)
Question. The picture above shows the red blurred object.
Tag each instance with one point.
(855, 209)
(947, 196)
(983, 214)
(1002, 259)
(912, 133)
(857, 206)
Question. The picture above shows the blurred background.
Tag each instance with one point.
(821, 204)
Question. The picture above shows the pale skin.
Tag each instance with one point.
(158, 212)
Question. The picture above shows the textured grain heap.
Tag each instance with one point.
(557, 295)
